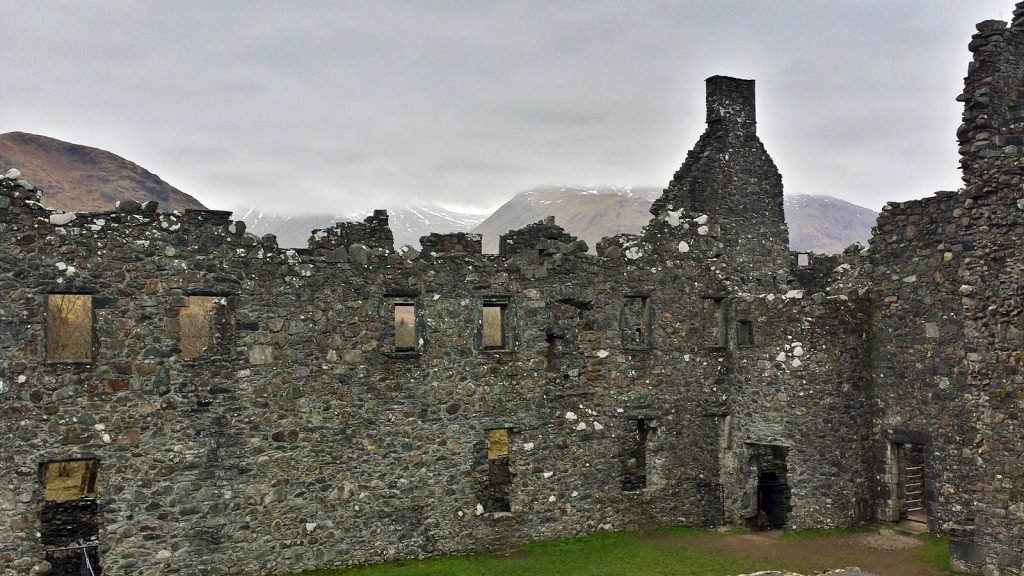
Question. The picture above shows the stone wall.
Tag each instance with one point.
(305, 437)
(352, 404)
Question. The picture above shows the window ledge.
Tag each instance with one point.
(403, 355)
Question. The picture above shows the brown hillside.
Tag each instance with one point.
(589, 214)
(79, 178)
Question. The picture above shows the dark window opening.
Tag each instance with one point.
(634, 465)
(69, 327)
(635, 323)
(713, 322)
(745, 333)
(499, 474)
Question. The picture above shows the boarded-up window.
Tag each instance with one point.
(499, 475)
(713, 322)
(405, 327)
(634, 322)
(69, 480)
(494, 331)
(745, 333)
(197, 324)
(69, 327)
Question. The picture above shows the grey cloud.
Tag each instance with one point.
(316, 105)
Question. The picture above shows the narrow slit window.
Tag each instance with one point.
(405, 327)
(495, 333)
(197, 322)
(745, 333)
(69, 327)
(634, 467)
(713, 322)
(499, 474)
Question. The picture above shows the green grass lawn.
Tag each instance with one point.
(609, 554)
(654, 553)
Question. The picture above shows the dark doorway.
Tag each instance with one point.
(773, 493)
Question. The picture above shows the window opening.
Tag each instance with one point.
(197, 324)
(803, 259)
(499, 474)
(495, 326)
(634, 322)
(405, 327)
(69, 527)
(634, 468)
(69, 327)
(745, 333)
(713, 322)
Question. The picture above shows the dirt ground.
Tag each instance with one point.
(885, 553)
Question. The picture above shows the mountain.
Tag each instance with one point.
(78, 178)
(408, 223)
(822, 224)
(825, 224)
(587, 213)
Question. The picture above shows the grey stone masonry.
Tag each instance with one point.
(179, 397)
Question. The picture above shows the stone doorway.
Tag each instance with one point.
(911, 482)
(773, 493)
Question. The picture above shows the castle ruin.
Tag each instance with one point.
(178, 397)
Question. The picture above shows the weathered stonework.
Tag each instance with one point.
(355, 403)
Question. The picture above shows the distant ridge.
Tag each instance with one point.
(817, 223)
(589, 213)
(78, 178)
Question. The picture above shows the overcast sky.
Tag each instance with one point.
(307, 107)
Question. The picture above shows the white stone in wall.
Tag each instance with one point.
(684, 247)
(701, 220)
(703, 230)
(633, 253)
(570, 416)
(62, 219)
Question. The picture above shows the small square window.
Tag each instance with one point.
(69, 327)
(745, 333)
(803, 259)
(406, 337)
